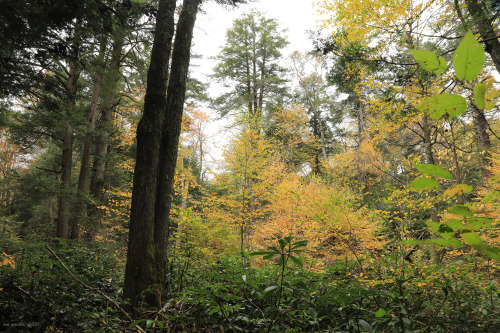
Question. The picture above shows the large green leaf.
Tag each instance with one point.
(468, 59)
(434, 170)
(429, 61)
(439, 105)
(461, 210)
(422, 183)
(473, 239)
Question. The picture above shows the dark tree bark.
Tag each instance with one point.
(157, 143)
(171, 130)
(484, 25)
(140, 267)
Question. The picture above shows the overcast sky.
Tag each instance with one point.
(296, 16)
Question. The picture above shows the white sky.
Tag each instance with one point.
(294, 16)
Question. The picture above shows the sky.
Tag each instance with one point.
(294, 16)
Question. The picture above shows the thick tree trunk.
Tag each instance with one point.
(486, 29)
(104, 130)
(85, 163)
(140, 270)
(171, 130)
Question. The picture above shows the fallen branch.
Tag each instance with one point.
(138, 328)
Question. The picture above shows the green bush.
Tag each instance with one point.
(39, 292)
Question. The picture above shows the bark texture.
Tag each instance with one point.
(157, 142)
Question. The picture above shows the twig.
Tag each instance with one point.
(138, 328)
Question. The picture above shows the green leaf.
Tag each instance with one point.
(274, 249)
(480, 95)
(444, 228)
(474, 240)
(439, 105)
(270, 288)
(422, 183)
(365, 325)
(296, 260)
(455, 224)
(434, 226)
(380, 313)
(281, 260)
(298, 244)
(479, 222)
(434, 170)
(269, 256)
(137, 322)
(429, 61)
(282, 244)
(214, 310)
(485, 95)
(468, 59)
(461, 210)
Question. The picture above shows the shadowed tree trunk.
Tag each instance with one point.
(67, 143)
(140, 268)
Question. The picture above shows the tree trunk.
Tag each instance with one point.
(104, 130)
(85, 163)
(429, 156)
(140, 270)
(171, 130)
(67, 148)
(483, 139)
(360, 115)
(486, 29)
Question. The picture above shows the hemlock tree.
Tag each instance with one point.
(249, 62)
(157, 144)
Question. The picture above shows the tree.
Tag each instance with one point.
(157, 143)
(314, 94)
(249, 62)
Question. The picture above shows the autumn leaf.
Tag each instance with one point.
(457, 190)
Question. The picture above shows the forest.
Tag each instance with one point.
(358, 189)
